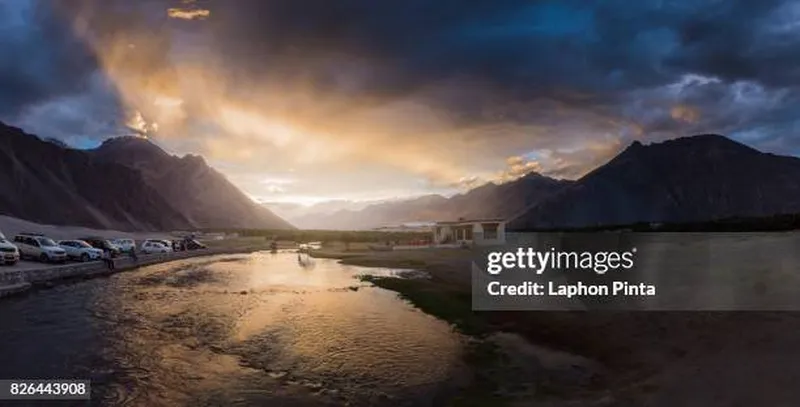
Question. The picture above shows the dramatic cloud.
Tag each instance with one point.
(188, 11)
(368, 99)
(41, 58)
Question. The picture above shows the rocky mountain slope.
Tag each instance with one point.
(200, 193)
(49, 183)
(690, 179)
(46, 183)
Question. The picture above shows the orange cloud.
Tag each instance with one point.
(188, 14)
(518, 167)
(271, 124)
(685, 114)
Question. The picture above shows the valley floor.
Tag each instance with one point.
(616, 358)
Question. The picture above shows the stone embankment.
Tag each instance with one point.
(17, 281)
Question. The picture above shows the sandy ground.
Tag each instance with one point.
(12, 226)
(658, 358)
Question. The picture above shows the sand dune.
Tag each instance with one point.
(12, 226)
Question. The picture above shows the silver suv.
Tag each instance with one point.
(39, 247)
(9, 254)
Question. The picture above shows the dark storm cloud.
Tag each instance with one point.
(503, 60)
(479, 61)
(50, 80)
(520, 46)
(41, 59)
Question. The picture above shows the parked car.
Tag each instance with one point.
(168, 243)
(103, 244)
(154, 246)
(10, 253)
(40, 247)
(80, 250)
(125, 245)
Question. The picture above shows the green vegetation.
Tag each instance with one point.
(619, 341)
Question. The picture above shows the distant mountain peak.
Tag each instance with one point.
(131, 145)
(532, 175)
(126, 140)
(57, 142)
(697, 140)
(718, 142)
(697, 144)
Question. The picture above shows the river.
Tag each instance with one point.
(255, 329)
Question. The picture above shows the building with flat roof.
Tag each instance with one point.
(470, 231)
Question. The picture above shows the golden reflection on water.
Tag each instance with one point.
(269, 318)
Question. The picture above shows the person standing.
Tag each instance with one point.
(107, 258)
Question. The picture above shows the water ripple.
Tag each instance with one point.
(232, 330)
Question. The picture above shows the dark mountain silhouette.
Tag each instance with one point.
(690, 179)
(47, 183)
(200, 193)
(505, 200)
(126, 184)
(487, 201)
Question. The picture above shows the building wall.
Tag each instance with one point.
(480, 234)
(442, 233)
(453, 234)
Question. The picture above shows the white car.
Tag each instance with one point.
(9, 254)
(80, 250)
(125, 245)
(39, 247)
(153, 246)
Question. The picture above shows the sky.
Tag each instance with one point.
(308, 101)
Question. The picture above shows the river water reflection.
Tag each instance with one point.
(258, 329)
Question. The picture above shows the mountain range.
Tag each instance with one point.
(131, 184)
(689, 179)
(128, 183)
(487, 201)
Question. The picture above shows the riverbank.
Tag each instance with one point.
(507, 367)
(609, 358)
(17, 281)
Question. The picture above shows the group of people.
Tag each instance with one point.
(179, 245)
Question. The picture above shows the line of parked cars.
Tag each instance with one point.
(39, 247)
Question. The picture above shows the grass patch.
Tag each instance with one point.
(496, 377)
(450, 305)
(486, 360)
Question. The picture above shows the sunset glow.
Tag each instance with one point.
(351, 114)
